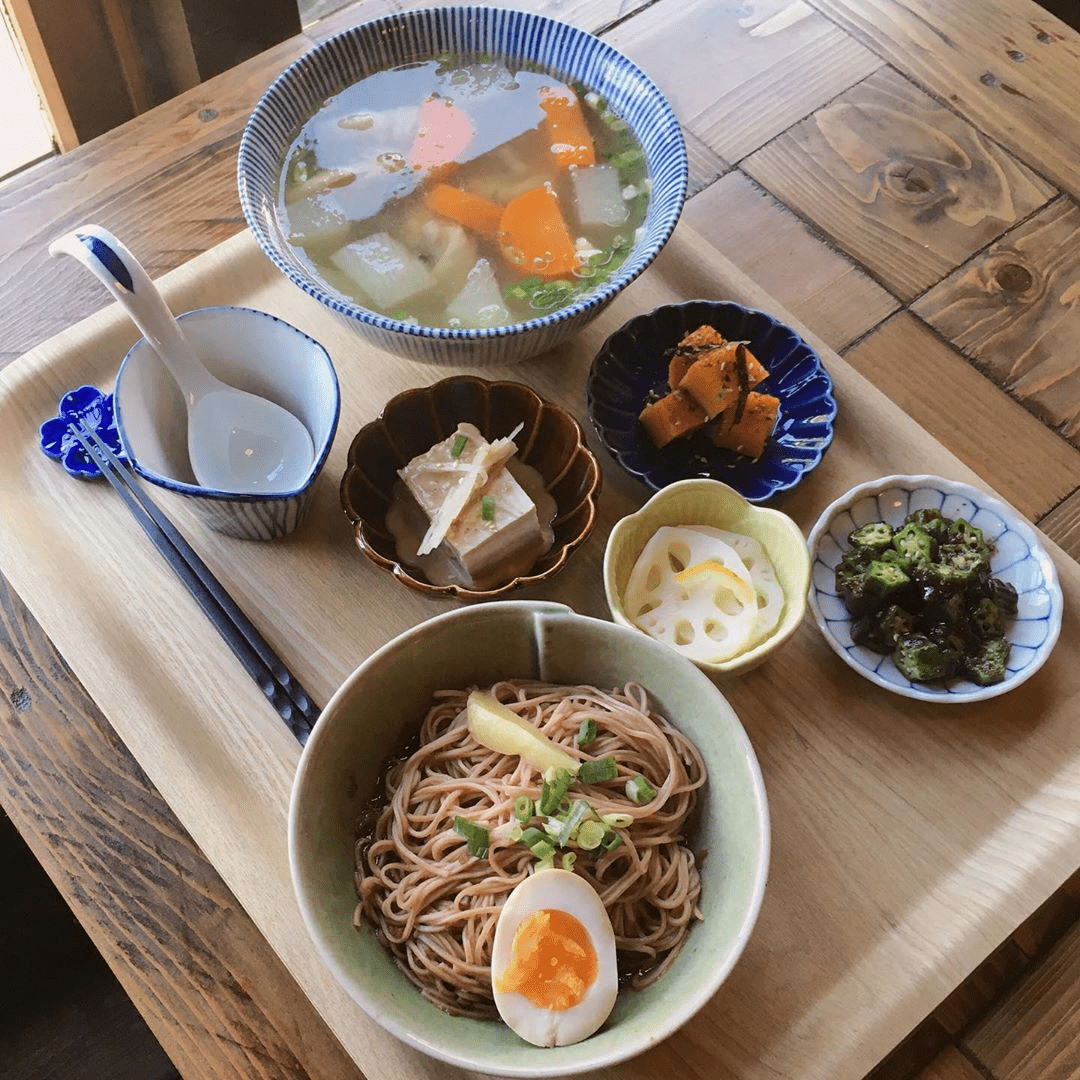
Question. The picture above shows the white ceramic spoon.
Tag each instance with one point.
(238, 442)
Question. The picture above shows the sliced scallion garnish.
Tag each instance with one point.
(487, 508)
(523, 809)
(618, 821)
(533, 836)
(598, 770)
(639, 790)
(611, 841)
(586, 733)
(554, 791)
(590, 835)
(578, 812)
(459, 445)
(568, 860)
(545, 850)
(476, 835)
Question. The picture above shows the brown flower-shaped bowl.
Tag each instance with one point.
(551, 441)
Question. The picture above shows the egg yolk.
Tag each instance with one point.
(552, 960)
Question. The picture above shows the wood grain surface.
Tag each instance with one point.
(842, 766)
(1013, 310)
(165, 183)
(903, 184)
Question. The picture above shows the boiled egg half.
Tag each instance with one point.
(553, 967)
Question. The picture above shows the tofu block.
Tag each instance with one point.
(480, 547)
(749, 434)
(674, 415)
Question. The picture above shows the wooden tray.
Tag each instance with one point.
(908, 839)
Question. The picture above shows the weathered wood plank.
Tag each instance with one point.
(591, 15)
(1015, 309)
(765, 240)
(986, 985)
(212, 991)
(1051, 921)
(736, 73)
(1062, 524)
(1034, 1033)
(903, 358)
(1009, 66)
(950, 1064)
(901, 183)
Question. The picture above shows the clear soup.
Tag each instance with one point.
(464, 193)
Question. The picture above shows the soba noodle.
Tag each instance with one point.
(435, 907)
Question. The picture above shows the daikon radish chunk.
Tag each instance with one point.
(598, 196)
(383, 269)
(480, 302)
(318, 220)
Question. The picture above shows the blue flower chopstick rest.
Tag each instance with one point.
(86, 405)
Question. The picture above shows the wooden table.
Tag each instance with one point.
(902, 175)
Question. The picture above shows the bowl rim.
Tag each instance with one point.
(640, 258)
(632, 326)
(676, 1014)
(912, 482)
(461, 592)
(794, 606)
(182, 487)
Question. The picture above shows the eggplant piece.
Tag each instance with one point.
(920, 659)
(987, 664)
(955, 642)
(1004, 595)
(866, 631)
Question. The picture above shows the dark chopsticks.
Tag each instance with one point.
(289, 698)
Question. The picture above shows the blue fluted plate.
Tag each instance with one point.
(632, 368)
(1017, 558)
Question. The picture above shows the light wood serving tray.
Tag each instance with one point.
(909, 839)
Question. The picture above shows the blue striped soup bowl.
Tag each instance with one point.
(566, 52)
(253, 351)
(1017, 556)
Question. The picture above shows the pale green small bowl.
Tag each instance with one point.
(710, 502)
(382, 703)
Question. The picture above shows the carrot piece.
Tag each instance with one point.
(565, 129)
(442, 134)
(534, 237)
(472, 211)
